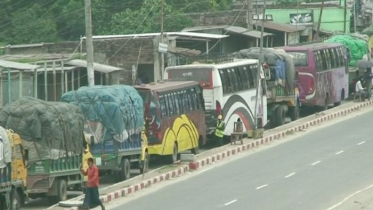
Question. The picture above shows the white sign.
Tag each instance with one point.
(162, 48)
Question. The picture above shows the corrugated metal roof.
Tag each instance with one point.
(281, 26)
(186, 34)
(233, 29)
(97, 66)
(16, 65)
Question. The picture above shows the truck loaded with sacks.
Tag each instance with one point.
(114, 120)
(281, 85)
(51, 146)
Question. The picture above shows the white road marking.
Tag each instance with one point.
(361, 143)
(292, 174)
(315, 163)
(204, 170)
(339, 152)
(348, 197)
(230, 202)
(260, 187)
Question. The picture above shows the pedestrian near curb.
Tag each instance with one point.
(92, 196)
(219, 132)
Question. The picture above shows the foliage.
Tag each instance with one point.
(25, 21)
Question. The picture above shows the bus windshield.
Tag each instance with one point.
(300, 58)
(188, 74)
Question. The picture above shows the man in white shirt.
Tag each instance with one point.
(359, 89)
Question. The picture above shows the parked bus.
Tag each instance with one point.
(176, 117)
(229, 89)
(322, 73)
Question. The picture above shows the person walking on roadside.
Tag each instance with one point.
(92, 197)
(359, 89)
(219, 132)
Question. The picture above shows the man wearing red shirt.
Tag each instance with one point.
(92, 197)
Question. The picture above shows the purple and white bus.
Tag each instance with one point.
(322, 73)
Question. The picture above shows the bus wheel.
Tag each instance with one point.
(342, 98)
(145, 164)
(325, 107)
(280, 115)
(173, 157)
(15, 201)
(61, 190)
(125, 169)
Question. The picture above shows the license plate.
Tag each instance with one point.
(98, 161)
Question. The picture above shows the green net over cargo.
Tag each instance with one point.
(50, 130)
(358, 46)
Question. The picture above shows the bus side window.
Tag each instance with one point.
(317, 61)
(163, 106)
(191, 99)
(332, 58)
(337, 62)
(181, 102)
(341, 55)
(169, 105)
(201, 105)
(327, 59)
(231, 84)
(223, 81)
(243, 78)
(253, 71)
(237, 81)
(175, 103)
(246, 70)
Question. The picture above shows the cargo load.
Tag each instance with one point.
(357, 44)
(49, 130)
(283, 62)
(112, 112)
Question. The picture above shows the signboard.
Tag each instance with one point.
(162, 48)
(301, 19)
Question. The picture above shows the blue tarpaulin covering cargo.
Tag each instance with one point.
(112, 113)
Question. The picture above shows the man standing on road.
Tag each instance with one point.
(92, 197)
(368, 81)
(219, 133)
(359, 89)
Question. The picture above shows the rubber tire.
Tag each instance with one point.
(125, 169)
(280, 115)
(146, 163)
(294, 113)
(15, 201)
(61, 190)
(173, 157)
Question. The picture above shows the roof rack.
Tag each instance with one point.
(207, 59)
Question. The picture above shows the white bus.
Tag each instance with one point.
(229, 89)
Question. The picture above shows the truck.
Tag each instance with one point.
(114, 120)
(52, 139)
(281, 86)
(13, 172)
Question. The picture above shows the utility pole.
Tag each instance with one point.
(89, 42)
(345, 16)
(355, 16)
(261, 58)
(319, 22)
(249, 17)
(162, 40)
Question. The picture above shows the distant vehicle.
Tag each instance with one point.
(229, 89)
(322, 73)
(114, 119)
(176, 117)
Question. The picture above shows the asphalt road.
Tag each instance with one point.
(313, 172)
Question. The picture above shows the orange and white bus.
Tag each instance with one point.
(176, 117)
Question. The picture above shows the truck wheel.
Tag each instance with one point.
(15, 201)
(173, 157)
(294, 113)
(125, 169)
(145, 165)
(280, 115)
(61, 190)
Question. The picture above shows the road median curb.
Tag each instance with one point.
(195, 165)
